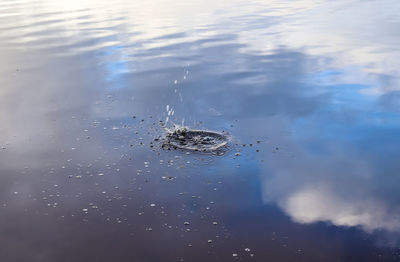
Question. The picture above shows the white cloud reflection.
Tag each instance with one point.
(324, 204)
(343, 188)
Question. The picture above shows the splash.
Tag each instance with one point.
(181, 137)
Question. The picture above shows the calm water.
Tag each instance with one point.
(309, 92)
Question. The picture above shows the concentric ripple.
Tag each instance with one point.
(196, 140)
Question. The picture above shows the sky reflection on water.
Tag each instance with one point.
(309, 87)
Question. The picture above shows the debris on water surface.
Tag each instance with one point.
(196, 140)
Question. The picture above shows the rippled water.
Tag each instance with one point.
(307, 90)
(201, 141)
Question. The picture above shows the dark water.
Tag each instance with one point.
(309, 92)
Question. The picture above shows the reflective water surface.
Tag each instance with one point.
(308, 91)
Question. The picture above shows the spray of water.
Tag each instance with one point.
(182, 137)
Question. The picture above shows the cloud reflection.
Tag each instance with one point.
(323, 204)
(334, 185)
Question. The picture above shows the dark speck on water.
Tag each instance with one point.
(199, 130)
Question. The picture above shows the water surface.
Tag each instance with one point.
(308, 92)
